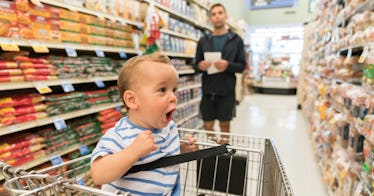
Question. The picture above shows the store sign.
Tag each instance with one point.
(267, 4)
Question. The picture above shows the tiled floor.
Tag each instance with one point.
(276, 116)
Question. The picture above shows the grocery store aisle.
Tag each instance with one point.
(276, 116)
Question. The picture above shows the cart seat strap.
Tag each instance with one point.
(181, 158)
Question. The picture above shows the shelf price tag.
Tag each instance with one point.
(56, 160)
(80, 181)
(59, 123)
(122, 54)
(100, 53)
(9, 47)
(71, 52)
(42, 87)
(364, 55)
(67, 86)
(83, 149)
(99, 83)
(40, 49)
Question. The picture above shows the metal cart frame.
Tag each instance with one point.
(255, 161)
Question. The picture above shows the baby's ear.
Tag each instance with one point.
(129, 99)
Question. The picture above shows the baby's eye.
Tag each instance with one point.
(162, 90)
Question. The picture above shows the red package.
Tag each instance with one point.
(20, 110)
(9, 120)
(39, 78)
(45, 72)
(19, 100)
(10, 72)
(20, 152)
(104, 112)
(32, 60)
(26, 65)
(108, 125)
(12, 78)
(8, 65)
(111, 114)
(20, 143)
(27, 158)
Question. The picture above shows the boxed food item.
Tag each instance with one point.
(41, 27)
(95, 30)
(97, 40)
(69, 15)
(8, 19)
(70, 37)
(71, 26)
(95, 21)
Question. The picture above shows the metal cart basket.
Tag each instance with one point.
(252, 167)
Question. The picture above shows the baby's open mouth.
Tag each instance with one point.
(169, 115)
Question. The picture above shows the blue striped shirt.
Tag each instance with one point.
(160, 181)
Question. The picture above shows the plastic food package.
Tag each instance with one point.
(19, 100)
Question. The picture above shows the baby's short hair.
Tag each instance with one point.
(128, 70)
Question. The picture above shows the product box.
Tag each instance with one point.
(8, 19)
(70, 37)
(69, 15)
(41, 27)
(96, 40)
(70, 26)
(95, 30)
(42, 10)
(165, 18)
(95, 21)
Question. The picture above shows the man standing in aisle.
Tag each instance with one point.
(218, 80)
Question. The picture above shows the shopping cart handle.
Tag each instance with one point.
(181, 158)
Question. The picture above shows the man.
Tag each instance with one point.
(218, 99)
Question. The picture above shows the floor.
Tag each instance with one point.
(276, 116)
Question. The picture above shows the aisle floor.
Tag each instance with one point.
(276, 116)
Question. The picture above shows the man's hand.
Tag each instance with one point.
(190, 146)
(221, 65)
(144, 143)
(204, 65)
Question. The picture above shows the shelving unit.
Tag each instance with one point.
(101, 15)
(45, 121)
(56, 46)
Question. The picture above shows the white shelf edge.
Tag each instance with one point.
(30, 84)
(186, 72)
(42, 160)
(189, 102)
(63, 45)
(175, 14)
(190, 87)
(44, 121)
(186, 118)
(200, 5)
(177, 54)
(89, 11)
(179, 35)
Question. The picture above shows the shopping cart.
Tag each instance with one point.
(252, 167)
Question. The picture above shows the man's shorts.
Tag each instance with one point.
(217, 107)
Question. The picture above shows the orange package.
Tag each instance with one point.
(20, 110)
(8, 19)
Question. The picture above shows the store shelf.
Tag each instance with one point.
(190, 87)
(55, 45)
(199, 4)
(45, 121)
(183, 72)
(32, 84)
(187, 118)
(181, 35)
(196, 100)
(177, 15)
(40, 161)
(177, 54)
(368, 5)
(65, 5)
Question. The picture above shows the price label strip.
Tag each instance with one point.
(99, 83)
(80, 181)
(40, 49)
(123, 55)
(71, 52)
(56, 160)
(42, 87)
(59, 123)
(67, 86)
(100, 53)
(83, 149)
(10, 47)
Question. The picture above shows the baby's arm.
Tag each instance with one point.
(111, 167)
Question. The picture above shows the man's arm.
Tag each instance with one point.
(199, 56)
(240, 60)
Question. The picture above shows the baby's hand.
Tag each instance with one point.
(190, 146)
(144, 143)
